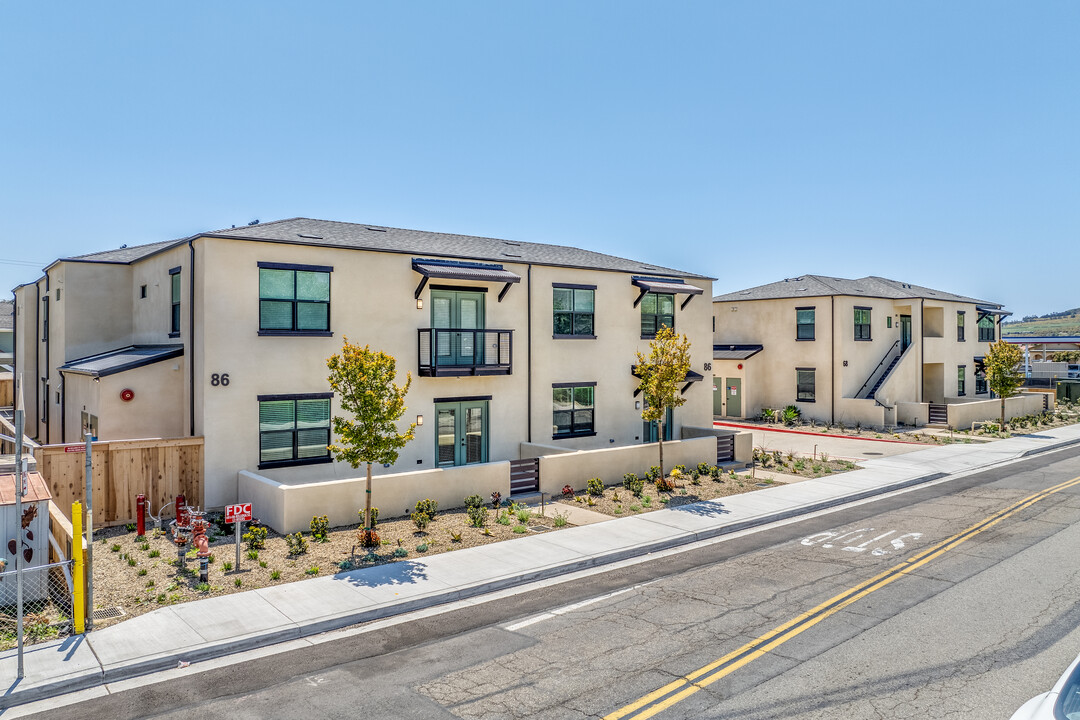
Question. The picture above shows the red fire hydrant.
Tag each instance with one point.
(202, 543)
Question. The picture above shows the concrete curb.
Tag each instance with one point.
(209, 651)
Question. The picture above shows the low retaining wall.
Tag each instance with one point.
(912, 413)
(289, 508)
(961, 416)
(610, 464)
(744, 441)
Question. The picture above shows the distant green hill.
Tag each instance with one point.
(1066, 322)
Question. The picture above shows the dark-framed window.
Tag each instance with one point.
(573, 307)
(294, 429)
(986, 328)
(959, 326)
(961, 372)
(805, 385)
(572, 409)
(862, 323)
(981, 386)
(174, 316)
(294, 299)
(657, 310)
(804, 323)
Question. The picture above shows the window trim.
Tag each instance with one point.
(813, 325)
(573, 386)
(293, 462)
(174, 303)
(809, 370)
(647, 336)
(868, 325)
(572, 313)
(294, 331)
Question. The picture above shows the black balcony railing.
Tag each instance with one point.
(456, 351)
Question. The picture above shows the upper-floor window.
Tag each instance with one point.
(294, 299)
(657, 310)
(986, 329)
(805, 384)
(804, 323)
(959, 326)
(573, 307)
(862, 323)
(572, 406)
(174, 311)
(294, 429)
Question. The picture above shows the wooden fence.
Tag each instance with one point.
(160, 468)
(7, 390)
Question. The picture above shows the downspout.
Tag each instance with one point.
(48, 374)
(37, 356)
(63, 409)
(922, 344)
(832, 359)
(191, 339)
(528, 349)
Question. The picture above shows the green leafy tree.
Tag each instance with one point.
(1066, 356)
(662, 371)
(365, 381)
(1002, 371)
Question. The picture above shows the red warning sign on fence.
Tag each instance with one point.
(234, 513)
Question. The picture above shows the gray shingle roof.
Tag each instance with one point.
(127, 254)
(427, 244)
(819, 285)
(7, 315)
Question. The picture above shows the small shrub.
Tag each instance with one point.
(161, 598)
(238, 582)
(618, 510)
(226, 566)
(130, 527)
(203, 587)
(421, 520)
(474, 501)
(115, 547)
(646, 500)
(654, 472)
(824, 456)
(478, 514)
(320, 528)
(155, 553)
(144, 546)
(591, 502)
(665, 500)
(455, 537)
(313, 570)
(368, 538)
(637, 487)
(519, 529)
(567, 491)
(263, 564)
(429, 507)
(422, 548)
(486, 532)
(523, 514)
(252, 554)
(504, 518)
(680, 469)
(704, 468)
(635, 508)
(345, 565)
(149, 583)
(374, 516)
(255, 537)
(664, 484)
(296, 544)
(596, 487)
(142, 571)
(628, 480)
(496, 498)
(560, 520)
(131, 562)
(400, 552)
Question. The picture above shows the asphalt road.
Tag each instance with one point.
(953, 601)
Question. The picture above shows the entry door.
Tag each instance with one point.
(718, 396)
(733, 393)
(650, 431)
(458, 310)
(461, 433)
(905, 332)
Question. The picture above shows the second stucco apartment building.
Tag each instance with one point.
(226, 335)
(848, 351)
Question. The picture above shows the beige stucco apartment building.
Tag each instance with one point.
(226, 335)
(864, 351)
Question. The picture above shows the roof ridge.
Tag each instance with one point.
(257, 224)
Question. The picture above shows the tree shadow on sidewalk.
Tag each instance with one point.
(396, 573)
(705, 508)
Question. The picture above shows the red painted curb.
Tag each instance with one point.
(813, 434)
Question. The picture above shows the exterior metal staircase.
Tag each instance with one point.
(884, 377)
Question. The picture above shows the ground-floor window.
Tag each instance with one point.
(961, 371)
(805, 384)
(294, 429)
(572, 409)
(89, 425)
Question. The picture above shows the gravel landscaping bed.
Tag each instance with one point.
(139, 574)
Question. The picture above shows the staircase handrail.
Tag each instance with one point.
(876, 368)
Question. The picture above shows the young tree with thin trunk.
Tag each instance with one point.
(365, 381)
(1002, 371)
(662, 372)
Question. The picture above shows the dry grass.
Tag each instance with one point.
(152, 582)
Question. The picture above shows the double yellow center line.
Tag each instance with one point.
(678, 690)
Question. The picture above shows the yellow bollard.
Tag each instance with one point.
(78, 599)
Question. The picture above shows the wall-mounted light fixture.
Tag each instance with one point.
(637, 404)
(419, 303)
(419, 419)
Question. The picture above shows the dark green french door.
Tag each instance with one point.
(651, 430)
(461, 433)
(460, 311)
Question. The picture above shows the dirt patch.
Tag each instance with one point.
(140, 574)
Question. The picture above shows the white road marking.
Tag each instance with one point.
(570, 608)
(851, 536)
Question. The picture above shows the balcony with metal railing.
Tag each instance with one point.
(454, 352)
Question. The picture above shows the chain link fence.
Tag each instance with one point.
(47, 604)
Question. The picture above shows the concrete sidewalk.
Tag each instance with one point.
(220, 626)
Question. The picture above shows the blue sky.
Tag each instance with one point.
(936, 143)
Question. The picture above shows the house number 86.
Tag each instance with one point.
(222, 379)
